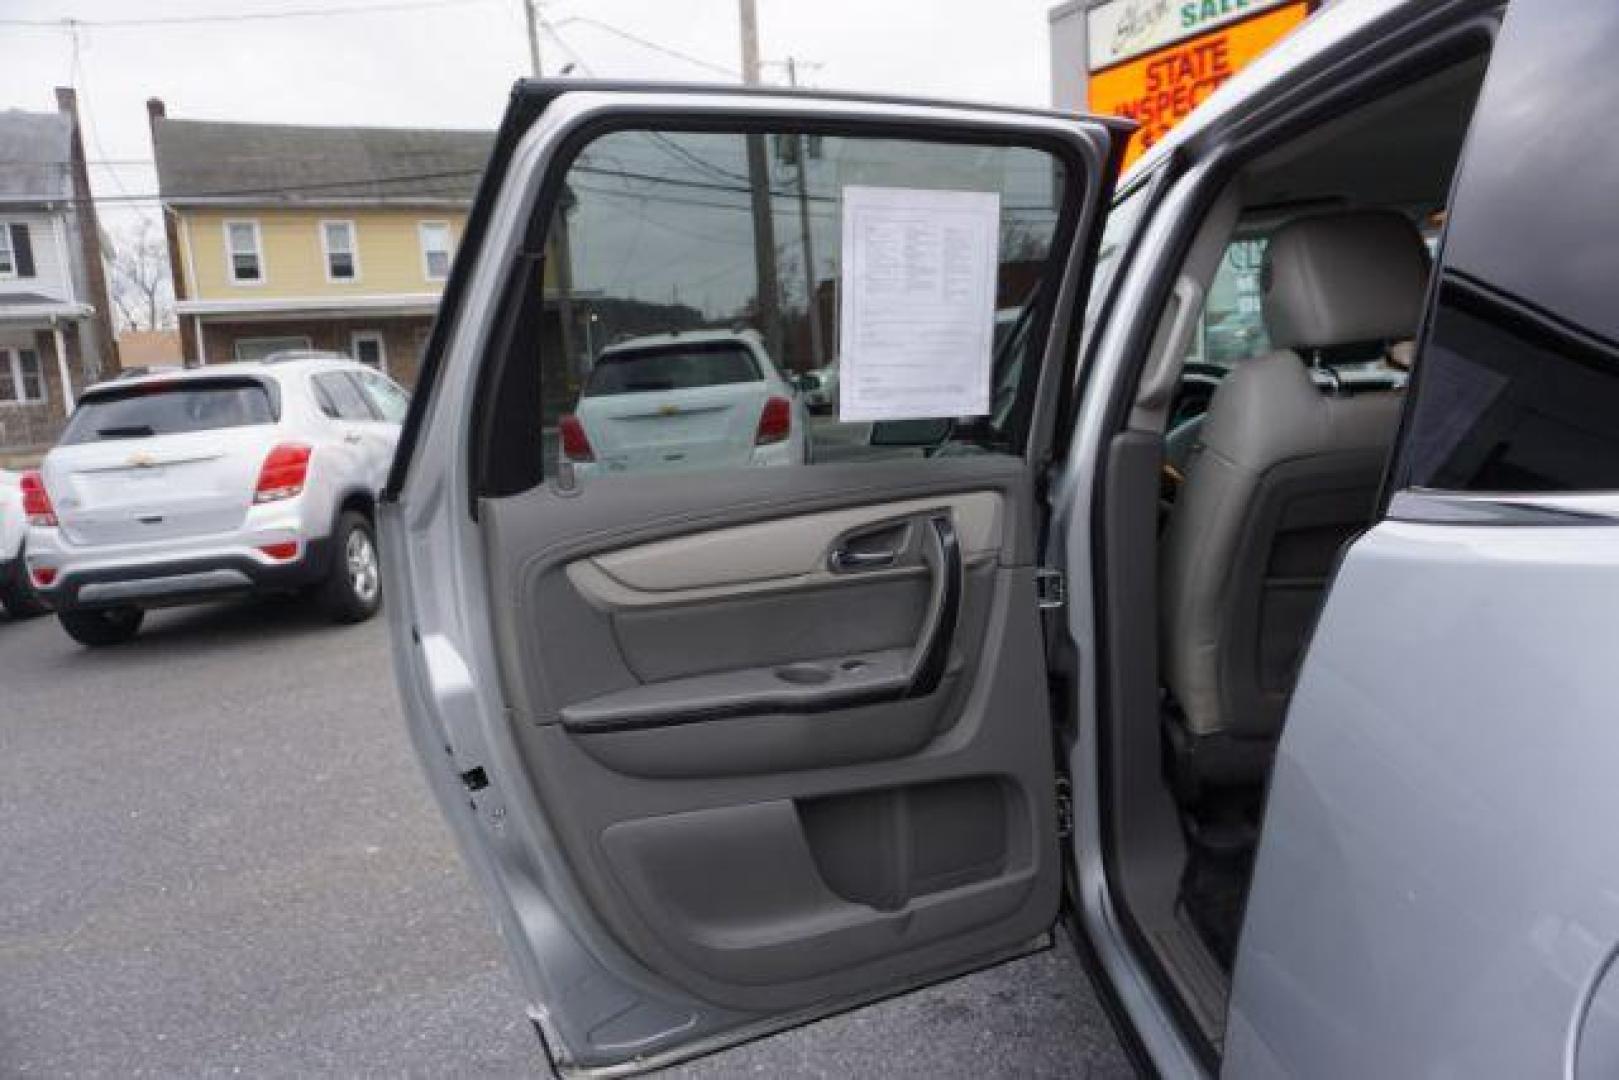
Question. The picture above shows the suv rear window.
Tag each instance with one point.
(168, 408)
(679, 367)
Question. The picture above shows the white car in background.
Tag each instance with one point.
(15, 594)
(227, 479)
(699, 399)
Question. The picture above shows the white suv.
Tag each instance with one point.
(693, 399)
(185, 486)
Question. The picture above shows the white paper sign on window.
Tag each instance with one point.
(918, 302)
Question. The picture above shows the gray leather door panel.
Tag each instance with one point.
(773, 856)
(667, 643)
(769, 556)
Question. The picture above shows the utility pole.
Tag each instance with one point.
(764, 228)
(559, 248)
(750, 42)
(812, 307)
(533, 18)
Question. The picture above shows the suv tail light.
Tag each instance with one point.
(575, 444)
(775, 422)
(282, 475)
(36, 501)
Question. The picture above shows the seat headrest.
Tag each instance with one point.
(1341, 279)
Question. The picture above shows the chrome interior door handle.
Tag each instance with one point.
(843, 560)
(941, 550)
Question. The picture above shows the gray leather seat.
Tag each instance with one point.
(1283, 474)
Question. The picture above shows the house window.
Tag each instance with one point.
(257, 348)
(16, 250)
(337, 241)
(436, 249)
(244, 252)
(22, 379)
(368, 348)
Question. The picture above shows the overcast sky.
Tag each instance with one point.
(452, 66)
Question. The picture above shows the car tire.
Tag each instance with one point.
(17, 596)
(352, 591)
(102, 626)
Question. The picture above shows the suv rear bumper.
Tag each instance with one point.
(192, 579)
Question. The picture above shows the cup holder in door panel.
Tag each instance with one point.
(805, 674)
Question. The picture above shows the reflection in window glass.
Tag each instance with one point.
(692, 315)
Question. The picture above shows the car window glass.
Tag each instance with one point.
(678, 366)
(1116, 236)
(692, 317)
(385, 395)
(147, 409)
(341, 398)
(1517, 384)
(1232, 326)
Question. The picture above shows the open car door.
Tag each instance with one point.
(741, 716)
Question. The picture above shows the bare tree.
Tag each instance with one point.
(142, 290)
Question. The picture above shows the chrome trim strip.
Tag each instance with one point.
(1427, 507)
(97, 592)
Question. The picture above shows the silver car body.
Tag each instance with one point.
(169, 518)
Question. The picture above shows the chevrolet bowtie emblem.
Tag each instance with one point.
(141, 461)
(668, 410)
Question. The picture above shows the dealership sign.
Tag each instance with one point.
(1120, 29)
(1157, 84)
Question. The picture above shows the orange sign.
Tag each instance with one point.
(1159, 89)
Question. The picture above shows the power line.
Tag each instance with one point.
(594, 170)
(227, 193)
(652, 45)
(245, 16)
(80, 81)
(662, 140)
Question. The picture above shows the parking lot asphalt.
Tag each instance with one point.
(217, 856)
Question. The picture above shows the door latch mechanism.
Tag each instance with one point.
(1050, 588)
(1065, 808)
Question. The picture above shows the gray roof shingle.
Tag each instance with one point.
(34, 151)
(283, 163)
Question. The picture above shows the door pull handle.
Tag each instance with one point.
(843, 561)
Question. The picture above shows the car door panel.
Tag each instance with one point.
(873, 772)
(742, 746)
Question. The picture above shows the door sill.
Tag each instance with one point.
(776, 1025)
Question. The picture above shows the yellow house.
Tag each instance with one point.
(285, 236)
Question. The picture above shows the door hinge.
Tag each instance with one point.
(1065, 808)
(1050, 588)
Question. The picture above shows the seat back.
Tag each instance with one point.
(1283, 474)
